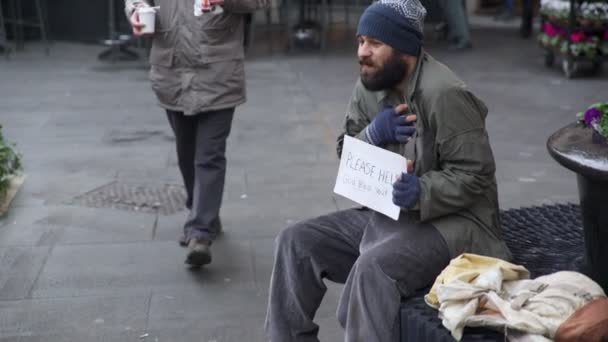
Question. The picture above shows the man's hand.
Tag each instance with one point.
(406, 190)
(391, 126)
(135, 23)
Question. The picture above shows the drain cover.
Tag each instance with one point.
(165, 199)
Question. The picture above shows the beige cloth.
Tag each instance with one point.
(468, 267)
(530, 310)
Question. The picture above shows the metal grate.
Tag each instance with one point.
(165, 199)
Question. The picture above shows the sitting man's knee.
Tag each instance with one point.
(372, 265)
(290, 235)
(367, 265)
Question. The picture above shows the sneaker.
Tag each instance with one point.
(183, 240)
(460, 46)
(507, 17)
(199, 253)
(504, 15)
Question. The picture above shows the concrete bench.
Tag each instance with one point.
(544, 239)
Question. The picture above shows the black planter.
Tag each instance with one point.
(599, 139)
(578, 149)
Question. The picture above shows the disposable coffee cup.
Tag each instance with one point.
(146, 17)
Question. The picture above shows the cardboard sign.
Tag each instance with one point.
(367, 174)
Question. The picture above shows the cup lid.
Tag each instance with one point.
(146, 9)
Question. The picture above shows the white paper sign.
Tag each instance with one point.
(367, 174)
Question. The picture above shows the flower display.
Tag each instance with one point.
(588, 37)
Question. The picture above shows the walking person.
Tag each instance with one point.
(197, 74)
(459, 31)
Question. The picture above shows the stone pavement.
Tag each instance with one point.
(72, 272)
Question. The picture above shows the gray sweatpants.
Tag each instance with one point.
(379, 259)
(200, 142)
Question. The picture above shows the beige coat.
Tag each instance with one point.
(197, 62)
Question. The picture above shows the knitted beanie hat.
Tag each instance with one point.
(397, 23)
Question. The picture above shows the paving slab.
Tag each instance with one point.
(75, 319)
(105, 269)
(19, 271)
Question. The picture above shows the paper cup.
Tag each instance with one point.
(147, 17)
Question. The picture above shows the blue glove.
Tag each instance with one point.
(406, 191)
(389, 127)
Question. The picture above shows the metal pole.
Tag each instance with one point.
(111, 19)
(3, 40)
(42, 23)
(527, 19)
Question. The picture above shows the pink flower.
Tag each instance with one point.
(578, 37)
(551, 30)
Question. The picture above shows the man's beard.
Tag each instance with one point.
(385, 77)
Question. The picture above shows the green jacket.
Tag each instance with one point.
(452, 155)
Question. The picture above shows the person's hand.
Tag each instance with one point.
(406, 190)
(136, 25)
(391, 126)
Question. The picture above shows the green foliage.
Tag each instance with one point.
(544, 39)
(10, 163)
(555, 41)
(604, 125)
(604, 48)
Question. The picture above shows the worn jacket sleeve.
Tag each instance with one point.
(131, 4)
(466, 164)
(355, 120)
(245, 6)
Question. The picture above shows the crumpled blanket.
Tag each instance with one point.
(478, 291)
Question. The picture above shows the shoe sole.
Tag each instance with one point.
(184, 242)
(198, 259)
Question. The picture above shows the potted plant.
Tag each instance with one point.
(582, 147)
(596, 118)
(583, 45)
(551, 36)
(11, 173)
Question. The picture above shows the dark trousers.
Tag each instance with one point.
(379, 260)
(457, 19)
(201, 154)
